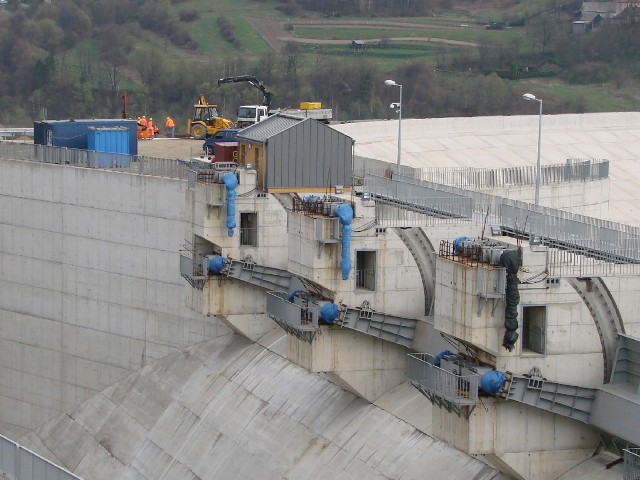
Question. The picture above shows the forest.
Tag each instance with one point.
(74, 59)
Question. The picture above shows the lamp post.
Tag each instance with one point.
(399, 107)
(531, 97)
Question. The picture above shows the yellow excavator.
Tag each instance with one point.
(205, 120)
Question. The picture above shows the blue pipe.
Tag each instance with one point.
(345, 214)
(231, 182)
(216, 264)
(492, 382)
(329, 313)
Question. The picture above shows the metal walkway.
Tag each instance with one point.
(595, 238)
(613, 408)
(299, 313)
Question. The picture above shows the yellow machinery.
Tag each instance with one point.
(205, 120)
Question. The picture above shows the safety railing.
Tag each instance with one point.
(249, 236)
(20, 463)
(458, 389)
(631, 464)
(574, 170)
(585, 262)
(288, 313)
(593, 237)
(161, 167)
(366, 279)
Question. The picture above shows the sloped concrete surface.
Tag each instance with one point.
(510, 141)
(231, 409)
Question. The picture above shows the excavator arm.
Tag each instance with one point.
(266, 101)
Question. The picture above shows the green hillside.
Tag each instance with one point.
(74, 58)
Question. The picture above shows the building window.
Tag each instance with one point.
(366, 270)
(249, 229)
(534, 326)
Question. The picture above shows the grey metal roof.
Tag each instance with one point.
(588, 17)
(262, 131)
(606, 9)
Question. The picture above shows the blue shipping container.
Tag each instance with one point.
(74, 133)
(111, 146)
(111, 140)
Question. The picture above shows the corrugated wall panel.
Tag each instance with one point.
(309, 155)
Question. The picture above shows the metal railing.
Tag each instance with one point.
(457, 389)
(583, 262)
(161, 167)
(366, 279)
(597, 238)
(632, 464)
(287, 313)
(574, 170)
(20, 463)
(249, 237)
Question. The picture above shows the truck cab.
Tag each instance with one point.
(250, 114)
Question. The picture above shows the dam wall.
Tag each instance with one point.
(90, 289)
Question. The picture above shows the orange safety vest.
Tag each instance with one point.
(143, 122)
(169, 123)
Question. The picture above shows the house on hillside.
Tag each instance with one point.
(593, 13)
(588, 21)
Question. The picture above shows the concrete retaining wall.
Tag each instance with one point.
(90, 289)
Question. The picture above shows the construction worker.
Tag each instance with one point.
(171, 126)
(153, 127)
(143, 122)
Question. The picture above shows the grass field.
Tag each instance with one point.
(425, 33)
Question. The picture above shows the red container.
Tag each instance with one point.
(226, 152)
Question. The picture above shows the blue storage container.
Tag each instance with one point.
(75, 133)
(105, 139)
(111, 146)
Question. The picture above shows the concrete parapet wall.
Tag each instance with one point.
(89, 285)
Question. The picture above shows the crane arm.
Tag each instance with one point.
(266, 101)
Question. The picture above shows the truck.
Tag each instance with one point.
(252, 114)
(205, 121)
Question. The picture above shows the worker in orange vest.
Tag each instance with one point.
(171, 126)
(143, 122)
(154, 128)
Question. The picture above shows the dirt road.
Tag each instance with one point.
(276, 35)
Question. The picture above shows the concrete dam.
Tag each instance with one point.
(107, 373)
(113, 365)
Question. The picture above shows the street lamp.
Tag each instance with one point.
(531, 97)
(399, 107)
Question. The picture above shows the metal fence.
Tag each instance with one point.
(457, 389)
(20, 463)
(583, 262)
(161, 167)
(632, 464)
(598, 239)
(574, 170)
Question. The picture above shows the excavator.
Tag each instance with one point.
(205, 120)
